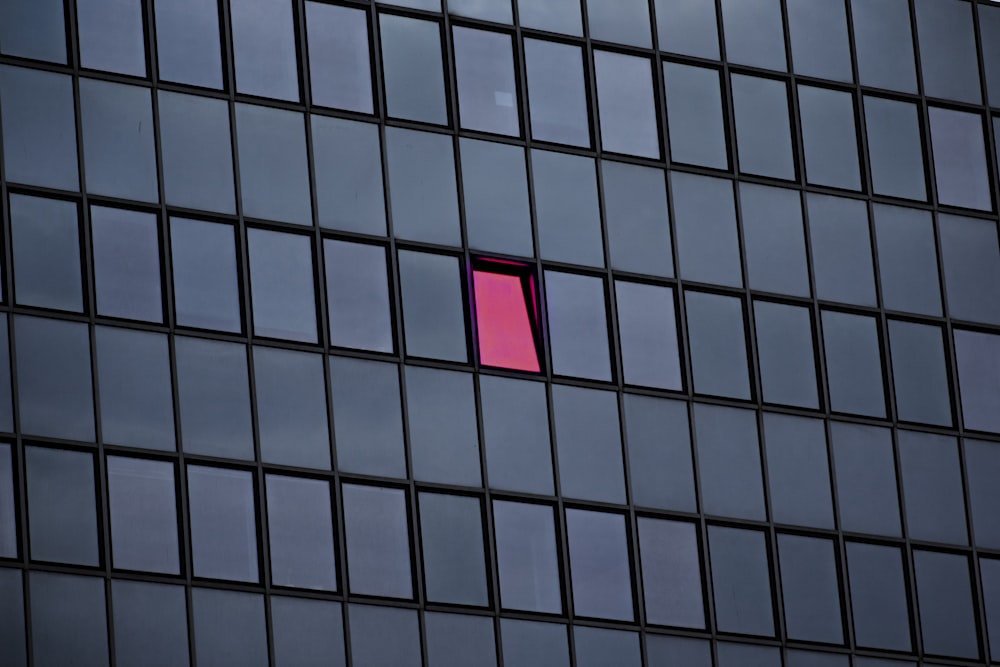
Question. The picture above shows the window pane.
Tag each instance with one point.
(932, 487)
(433, 308)
(126, 263)
(718, 345)
(444, 445)
(763, 136)
(300, 531)
(556, 92)
(729, 462)
(625, 103)
(264, 49)
(895, 150)
(959, 159)
(810, 589)
(339, 60)
(919, 373)
(798, 471)
(457, 640)
(665, 650)
(378, 541)
(774, 240)
(982, 465)
(229, 628)
(820, 48)
(33, 29)
(638, 223)
(369, 626)
(12, 636)
(451, 534)
(989, 26)
(527, 558)
(143, 515)
(411, 62)
(495, 189)
(111, 35)
(589, 444)
(367, 417)
(484, 72)
(498, 11)
(754, 33)
(552, 15)
(213, 390)
(866, 479)
(659, 452)
(357, 294)
(533, 644)
(68, 620)
(516, 431)
(187, 42)
(648, 335)
(506, 325)
(948, 50)
(990, 572)
(577, 325)
(54, 388)
(196, 152)
(970, 255)
(907, 258)
(45, 235)
(422, 188)
(291, 408)
(63, 523)
(695, 115)
(206, 287)
(566, 208)
(347, 161)
(671, 573)
(39, 135)
(600, 647)
(707, 236)
(151, 627)
(274, 175)
(854, 363)
(741, 580)
(8, 508)
(223, 523)
(688, 26)
(281, 285)
(795, 658)
(785, 354)
(883, 41)
(947, 621)
(307, 633)
(599, 564)
(6, 392)
(841, 249)
(978, 358)
(118, 164)
(745, 655)
(829, 137)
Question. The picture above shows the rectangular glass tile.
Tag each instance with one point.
(281, 285)
(588, 442)
(729, 462)
(741, 581)
(599, 565)
(484, 73)
(567, 212)
(187, 42)
(578, 327)
(527, 557)
(300, 532)
(126, 255)
(143, 514)
(854, 363)
(264, 52)
(671, 573)
(111, 35)
(378, 541)
(695, 115)
(412, 69)
(339, 59)
(626, 106)
(62, 524)
(647, 331)
(223, 523)
(274, 174)
(717, 345)
(433, 308)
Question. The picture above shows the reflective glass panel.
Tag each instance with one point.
(533, 644)
(264, 52)
(717, 345)
(978, 358)
(982, 465)
(441, 410)
(274, 174)
(347, 166)
(647, 333)
(854, 363)
(187, 42)
(484, 72)
(599, 564)
(960, 165)
(638, 223)
(741, 581)
(907, 257)
(518, 451)
(948, 58)
(567, 211)
(659, 452)
(947, 619)
(151, 628)
(785, 354)
(206, 287)
(143, 515)
(919, 373)
(372, 645)
(457, 640)
(68, 620)
(810, 589)
(883, 41)
(62, 526)
(551, 15)
(818, 32)
(307, 633)
(829, 137)
(495, 190)
(754, 33)
(229, 628)
(665, 650)
(601, 647)
(33, 29)
(798, 471)
(223, 523)
(339, 59)
(695, 115)
(498, 11)
(12, 636)
(45, 235)
(8, 508)
(895, 149)
(932, 487)
(763, 135)
(707, 235)
(451, 536)
(625, 21)
(111, 35)
(588, 443)
(577, 325)
(300, 532)
(970, 258)
(671, 573)
(422, 186)
(412, 69)
(729, 462)
(557, 94)
(378, 541)
(774, 240)
(433, 308)
(527, 558)
(126, 255)
(281, 285)
(841, 249)
(866, 479)
(626, 106)
(687, 26)
(291, 407)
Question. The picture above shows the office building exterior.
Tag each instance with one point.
(534, 333)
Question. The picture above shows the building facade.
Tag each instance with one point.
(469, 333)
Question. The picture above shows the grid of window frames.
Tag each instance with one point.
(248, 413)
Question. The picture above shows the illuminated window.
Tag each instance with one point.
(506, 309)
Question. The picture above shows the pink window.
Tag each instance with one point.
(506, 315)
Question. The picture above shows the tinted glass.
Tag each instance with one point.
(133, 374)
(45, 235)
(919, 373)
(798, 471)
(412, 69)
(422, 186)
(718, 345)
(339, 60)
(62, 526)
(527, 559)
(126, 251)
(8, 511)
(895, 150)
(456, 640)
(488, 10)
(829, 137)
(68, 620)
(589, 444)
(854, 363)
(118, 164)
(754, 33)
(990, 573)
(187, 42)
(664, 651)
(773, 238)
(810, 588)
(368, 422)
(206, 288)
(841, 249)
(648, 335)
(444, 446)
(223, 523)
(671, 573)
(978, 358)
(150, 624)
(659, 451)
(866, 479)
(433, 312)
(785, 354)
(307, 633)
(729, 462)
(213, 391)
(378, 541)
(111, 36)
(264, 51)
(599, 564)
(566, 208)
(370, 645)
(577, 325)
(553, 15)
(33, 29)
(818, 30)
(600, 647)
(794, 658)
(39, 138)
(741, 581)
(556, 92)
(484, 71)
(274, 175)
(533, 644)
(281, 285)
(932, 487)
(54, 388)
(12, 635)
(907, 258)
(947, 620)
(878, 597)
(625, 103)
(883, 41)
(959, 160)
(300, 532)
(143, 515)
(6, 392)
(638, 224)
(291, 407)
(615, 21)
(982, 464)
(229, 628)
(745, 655)
(763, 136)
(451, 534)
(707, 235)
(948, 50)
(347, 165)
(196, 152)
(695, 116)
(687, 26)
(989, 26)
(970, 256)
(518, 452)
(495, 189)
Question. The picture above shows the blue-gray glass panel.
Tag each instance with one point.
(8, 508)
(6, 393)
(695, 115)
(798, 471)
(763, 134)
(567, 211)
(495, 190)
(745, 655)
(533, 644)
(623, 21)
(518, 451)
(797, 658)
(281, 285)
(810, 589)
(39, 133)
(818, 32)
(978, 358)
(989, 570)
(717, 345)
(919, 373)
(707, 235)
(264, 52)
(599, 565)
(12, 636)
(667, 651)
(878, 597)
(527, 557)
(68, 620)
(588, 439)
(484, 75)
(970, 255)
(372, 645)
(907, 257)
(223, 523)
(671, 573)
(451, 537)
(433, 308)
(600, 647)
(300, 533)
(829, 137)
(339, 59)
(688, 26)
(347, 165)
(552, 15)
(291, 408)
(785, 354)
(883, 39)
(143, 511)
(659, 452)
(989, 27)
(213, 390)
(754, 33)
(33, 29)
(982, 465)
(647, 331)
(729, 462)
(378, 541)
(187, 42)
(577, 325)
(126, 253)
(441, 411)
(895, 149)
(841, 249)
(422, 189)
(774, 239)
(557, 94)
(626, 106)
(274, 175)
(229, 628)
(307, 633)
(948, 59)
(741, 581)
(45, 239)
(206, 286)
(866, 479)
(150, 622)
(947, 619)
(498, 11)
(854, 363)
(412, 69)
(638, 223)
(458, 640)
(119, 153)
(62, 525)
(932, 487)
(111, 35)
(960, 165)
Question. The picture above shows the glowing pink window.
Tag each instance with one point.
(506, 315)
